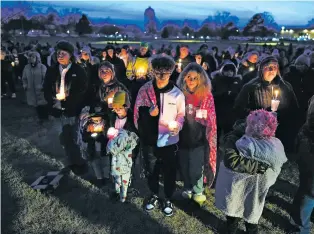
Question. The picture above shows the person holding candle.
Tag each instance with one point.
(64, 90)
(198, 137)
(259, 93)
(93, 149)
(123, 119)
(33, 79)
(182, 60)
(159, 115)
(138, 70)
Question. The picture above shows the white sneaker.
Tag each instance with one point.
(13, 95)
(168, 208)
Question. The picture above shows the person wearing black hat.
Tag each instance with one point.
(64, 87)
(269, 91)
(182, 60)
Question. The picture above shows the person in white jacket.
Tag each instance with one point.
(159, 115)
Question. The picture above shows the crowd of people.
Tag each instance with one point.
(172, 109)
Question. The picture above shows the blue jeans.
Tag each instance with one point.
(303, 206)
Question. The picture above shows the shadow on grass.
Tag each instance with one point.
(285, 187)
(8, 211)
(277, 220)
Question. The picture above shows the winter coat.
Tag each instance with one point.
(243, 195)
(119, 68)
(6, 69)
(225, 91)
(246, 67)
(75, 87)
(305, 159)
(249, 76)
(184, 62)
(33, 79)
(120, 147)
(171, 104)
(302, 84)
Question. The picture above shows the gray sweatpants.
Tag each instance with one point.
(192, 168)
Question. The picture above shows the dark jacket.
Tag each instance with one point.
(6, 69)
(225, 91)
(119, 69)
(187, 60)
(76, 86)
(193, 134)
(305, 160)
(246, 67)
(249, 76)
(234, 161)
(257, 94)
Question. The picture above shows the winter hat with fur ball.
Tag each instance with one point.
(261, 124)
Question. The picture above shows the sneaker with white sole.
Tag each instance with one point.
(13, 95)
(187, 194)
(168, 208)
(152, 203)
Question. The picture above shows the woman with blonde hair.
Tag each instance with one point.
(198, 138)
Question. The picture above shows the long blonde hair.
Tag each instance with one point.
(204, 85)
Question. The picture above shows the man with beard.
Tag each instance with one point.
(65, 87)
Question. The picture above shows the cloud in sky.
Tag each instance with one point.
(285, 12)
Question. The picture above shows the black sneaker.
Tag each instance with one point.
(152, 203)
(168, 208)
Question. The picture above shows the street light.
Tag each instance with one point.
(282, 28)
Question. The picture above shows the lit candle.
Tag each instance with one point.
(110, 100)
(274, 105)
(179, 64)
(251, 69)
(272, 91)
(112, 132)
(140, 72)
(98, 128)
(172, 125)
(276, 94)
(60, 96)
(12, 64)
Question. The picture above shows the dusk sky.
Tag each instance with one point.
(285, 12)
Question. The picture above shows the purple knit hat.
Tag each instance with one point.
(261, 124)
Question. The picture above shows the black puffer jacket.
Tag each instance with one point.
(76, 85)
(225, 91)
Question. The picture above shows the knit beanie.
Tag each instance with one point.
(66, 46)
(261, 124)
(144, 44)
(163, 64)
(303, 60)
(86, 49)
(120, 100)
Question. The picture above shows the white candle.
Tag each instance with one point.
(110, 101)
(199, 113)
(274, 105)
(172, 125)
(179, 64)
(251, 69)
(272, 91)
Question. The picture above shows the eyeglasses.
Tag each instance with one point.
(162, 76)
(270, 68)
(62, 54)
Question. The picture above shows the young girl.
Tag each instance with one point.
(242, 195)
(123, 147)
(198, 134)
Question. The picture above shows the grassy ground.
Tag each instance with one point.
(29, 150)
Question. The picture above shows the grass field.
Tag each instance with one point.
(29, 150)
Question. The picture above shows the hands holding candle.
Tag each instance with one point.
(112, 133)
(60, 96)
(173, 127)
(140, 72)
